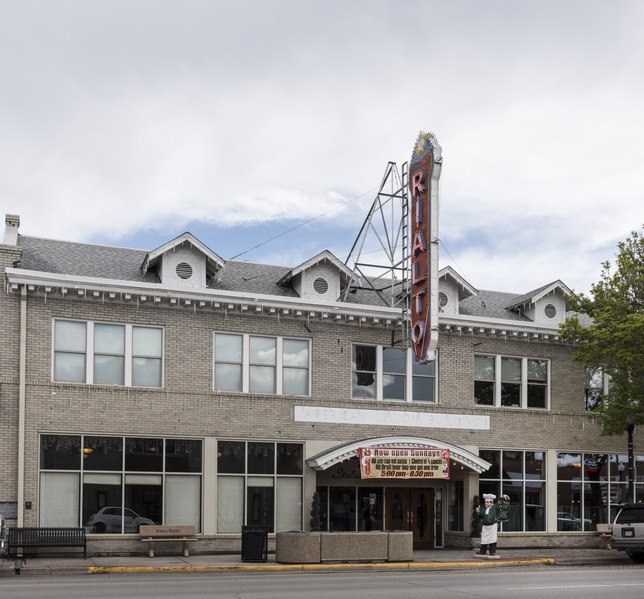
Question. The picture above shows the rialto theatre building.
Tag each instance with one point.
(173, 386)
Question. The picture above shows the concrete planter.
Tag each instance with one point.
(316, 547)
(297, 548)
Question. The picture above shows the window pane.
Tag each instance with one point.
(70, 336)
(60, 452)
(183, 500)
(595, 508)
(262, 350)
(296, 352)
(59, 498)
(231, 457)
(144, 502)
(230, 504)
(484, 393)
(102, 503)
(423, 388)
(144, 454)
(146, 372)
(228, 348)
(262, 379)
(535, 501)
(342, 508)
(568, 466)
(510, 369)
(484, 368)
(289, 458)
(513, 465)
(370, 509)
(595, 466)
(260, 496)
(364, 371)
(109, 370)
(394, 360)
(103, 453)
(568, 506)
(289, 504)
(427, 369)
(261, 458)
(109, 339)
(494, 457)
(537, 371)
(537, 396)
(393, 386)
(510, 394)
(535, 464)
(514, 492)
(147, 342)
(228, 377)
(295, 381)
(69, 368)
(182, 455)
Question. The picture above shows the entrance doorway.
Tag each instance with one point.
(411, 509)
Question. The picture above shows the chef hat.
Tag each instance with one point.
(490, 496)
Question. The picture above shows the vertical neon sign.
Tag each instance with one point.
(424, 172)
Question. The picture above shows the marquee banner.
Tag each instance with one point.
(403, 462)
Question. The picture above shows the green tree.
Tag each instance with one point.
(607, 328)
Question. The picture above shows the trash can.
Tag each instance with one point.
(254, 544)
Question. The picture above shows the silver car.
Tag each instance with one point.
(628, 532)
(108, 520)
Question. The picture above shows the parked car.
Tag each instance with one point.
(628, 532)
(108, 519)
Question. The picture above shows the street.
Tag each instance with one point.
(508, 583)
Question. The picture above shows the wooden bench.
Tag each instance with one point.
(34, 539)
(605, 534)
(151, 534)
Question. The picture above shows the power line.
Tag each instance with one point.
(306, 222)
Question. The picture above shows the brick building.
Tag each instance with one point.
(173, 386)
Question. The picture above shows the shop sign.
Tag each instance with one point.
(403, 462)
(423, 187)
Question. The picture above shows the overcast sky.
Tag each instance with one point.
(129, 122)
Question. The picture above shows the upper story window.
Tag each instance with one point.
(390, 373)
(502, 381)
(107, 354)
(596, 386)
(259, 364)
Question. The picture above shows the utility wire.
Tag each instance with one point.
(306, 222)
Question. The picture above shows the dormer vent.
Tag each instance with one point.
(320, 285)
(183, 270)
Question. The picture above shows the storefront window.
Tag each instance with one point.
(259, 483)
(456, 506)
(342, 508)
(122, 482)
(370, 508)
(522, 476)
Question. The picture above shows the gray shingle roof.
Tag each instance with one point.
(81, 259)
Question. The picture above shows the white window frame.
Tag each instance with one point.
(409, 378)
(246, 365)
(89, 352)
(523, 404)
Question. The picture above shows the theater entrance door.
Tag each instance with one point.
(411, 509)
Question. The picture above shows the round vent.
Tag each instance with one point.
(443, 300)
(550, 311)
(184, 270)
(320, 285)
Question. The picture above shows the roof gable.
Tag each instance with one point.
(214, 261)
(326, 256)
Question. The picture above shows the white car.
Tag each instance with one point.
(108, 520)
(628, 532)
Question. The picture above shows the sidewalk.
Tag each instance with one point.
(437, 559)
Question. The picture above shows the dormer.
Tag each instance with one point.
(321, 278)
(545, 306)
(183, 262)
(452, 289)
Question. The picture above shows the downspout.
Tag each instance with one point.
(22, 396)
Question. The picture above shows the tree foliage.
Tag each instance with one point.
(608, 331)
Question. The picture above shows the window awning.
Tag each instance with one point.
(346, 451)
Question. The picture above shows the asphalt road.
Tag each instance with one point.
(540, 582)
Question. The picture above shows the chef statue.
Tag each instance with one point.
(491, 513)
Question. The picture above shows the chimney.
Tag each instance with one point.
(12, 224)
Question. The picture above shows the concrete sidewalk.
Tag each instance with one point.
(438, 559)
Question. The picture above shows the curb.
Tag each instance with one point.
(320, 567)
